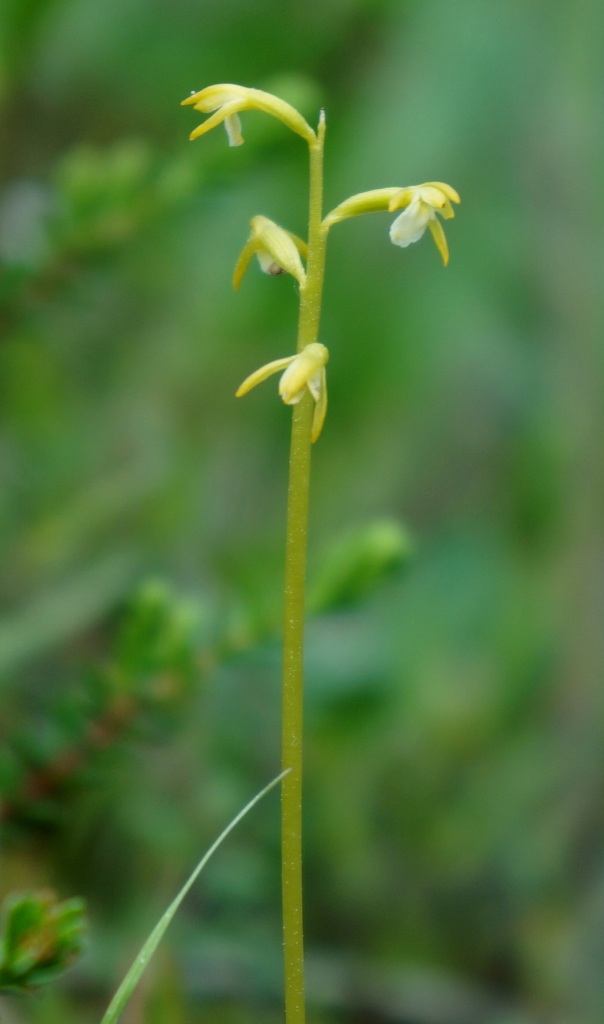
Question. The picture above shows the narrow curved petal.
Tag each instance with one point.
(262, 374)
(438, 234)
(320, 411)
(221, 115)
(447, 211)
(314, 384)
(243, 261)
(300, 245)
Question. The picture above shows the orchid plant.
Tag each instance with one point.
(303, 385)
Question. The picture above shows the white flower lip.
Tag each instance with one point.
(410, 225)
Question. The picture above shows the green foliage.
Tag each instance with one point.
(141, 689)
(40, 939)
(104, 197)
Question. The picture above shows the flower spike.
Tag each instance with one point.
(225, 101)
(305, 370)
(278, 251)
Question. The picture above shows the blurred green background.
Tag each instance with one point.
(455, 755)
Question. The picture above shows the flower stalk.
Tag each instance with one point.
(294, 606)
(303, 385)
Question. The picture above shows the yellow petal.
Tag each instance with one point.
(215, 96)
(433, 196)
(448, 190)
(436, 194)
(446, 211)
(304, 366)
(320, 408)
(243, 261)
(300, 245)
(262, 374)
(438, 234)
(221, 115)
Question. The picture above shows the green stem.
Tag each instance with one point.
(294, 601)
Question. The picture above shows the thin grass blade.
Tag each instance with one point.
(122, 996)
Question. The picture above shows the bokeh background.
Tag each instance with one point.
(455, 754)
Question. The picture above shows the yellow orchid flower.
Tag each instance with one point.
(225, 102)
(305, 370)
(420, 205)
(277, 250)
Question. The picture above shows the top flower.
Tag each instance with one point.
(225, 102)
(420, 204)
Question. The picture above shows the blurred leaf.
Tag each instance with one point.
(360, 562)
(54, 617)
(41, 938)
(105, 196)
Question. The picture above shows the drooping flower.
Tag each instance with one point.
(277, 250)
(303, 371)
(420, 205)
(225, 101)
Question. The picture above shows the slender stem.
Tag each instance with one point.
(294, 601)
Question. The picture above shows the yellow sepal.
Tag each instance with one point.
(283, 249)
(374, 201)
(320, 411)
(263, 373)
(226, 100)
(436, 230)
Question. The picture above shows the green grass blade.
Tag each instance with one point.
(121, 997)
